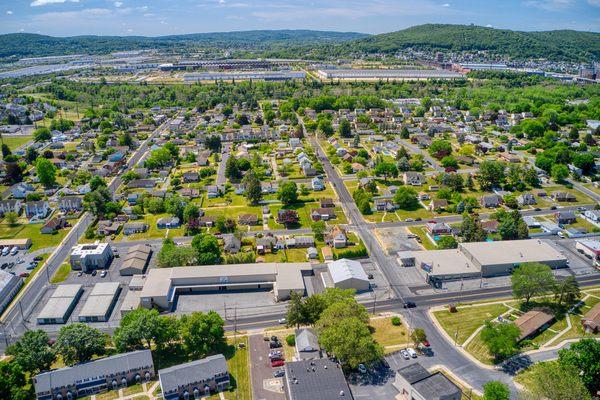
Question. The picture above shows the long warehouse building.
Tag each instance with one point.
(244, 76)
(60, 305)
(387, 74)
(100, 302)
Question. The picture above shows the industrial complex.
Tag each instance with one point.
(387, 74)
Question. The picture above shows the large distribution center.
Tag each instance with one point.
(391, 74)
(483, 259)
(244, 75)
(60, 304)
(100, 302)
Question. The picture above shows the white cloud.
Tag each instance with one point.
(9, 12)
(221, 1)
(38, 3)
(446, 5)
(595, 3)
(489, 26)
(129, 30)
(550, 5)
(118, 3)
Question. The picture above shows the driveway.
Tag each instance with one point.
(261, 372)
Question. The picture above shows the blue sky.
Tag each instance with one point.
(164, 17)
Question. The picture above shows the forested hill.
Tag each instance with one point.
(554, 45)
(19, 45)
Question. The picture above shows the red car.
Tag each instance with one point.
(425, 343)
(277, 363)
(24, 274)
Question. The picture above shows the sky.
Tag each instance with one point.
(166, 17)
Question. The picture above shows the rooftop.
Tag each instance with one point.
(512, 251)
(196, 371)
(315, 380)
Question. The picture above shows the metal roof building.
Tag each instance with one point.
(195, 378)
(348, 274)
(95, 376)
(100, 302)
(315, 380)
(60, 305)
(415, 382)
(391, 74)
(136, 260)
(9, 287)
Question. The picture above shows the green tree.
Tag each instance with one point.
(491, 174)
(583, 357)
(207, 249)
(585, 161)
(531, 279)
(288, 193)
(559, 172)
(496, 390)
(440, 149)
(418, 336)
(318, 229)
(31, 155)
(553, 381)
(202, 333)
(471, 229)
(385, 169)
(42, 134)
(171, 255)
(12, 218)
(252, 188)
(232, 170)
(142, 328)
(406, 198)
(500, 338)
(97, 182)
(567, 291)
(12, 382)
(46, 171)
(33, 352)
(325, 127)
(447, 242)
(78, 343)
(449, 162)
(345, 129)
(295, 315)
(511, 225)
(191, 211)
(5, 150)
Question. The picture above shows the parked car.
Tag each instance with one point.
(274, 345)
(24, 274)
(5, 251)
(3, 266)
(279, 373)
(14, 251)
(405, 354)
(38, 258)
(80, 273)
(411, 352)
(362, 369)
(94, 273)
(30, 267)
(425, 343)
(277, 363)
(281, 321)
(102, 274)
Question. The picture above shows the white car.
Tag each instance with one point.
(411, 352)
(405, 354)
(282, 321)
(102, 274)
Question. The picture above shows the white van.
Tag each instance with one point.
(411, 352)
(14, 251)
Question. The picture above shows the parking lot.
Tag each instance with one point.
(394, 240)
(264, 385)
(18, 263)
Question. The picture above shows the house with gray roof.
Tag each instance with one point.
(414, 382)
(95, 376)
(307, 344)
(194, 379)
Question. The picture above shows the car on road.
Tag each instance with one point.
(80, 273)
(538, 209)
(561, 235)
(409, 220)
(411, 352)
(553, 208)
(418, 219)
(362, 369)
(277, 363)
(102, 274)
(405, 354)
(418, 239)
(279, 373)
(411, 236)
(581, 208)
(409, 304)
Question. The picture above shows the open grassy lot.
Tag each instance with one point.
(387, 334)
(32, 231)
(581, 198)
(287, 256)
(153, 232)
(303, 210)
(14, 142)
(421, 232)
(467, 319)
(61, 273)
(576, 330)
(238, 361)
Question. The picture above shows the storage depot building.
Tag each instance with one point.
(60, 305)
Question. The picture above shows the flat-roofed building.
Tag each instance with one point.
(163, 284)
(21, 244)
(320, 379)
(194, 379)
(95, 376)
(414, 382)
(391, 74)
(590, 248)
(60, 305)
(9, 287)
(91, 256)
(244, 75)
(100, 303)
(136, 260)
(131, 302)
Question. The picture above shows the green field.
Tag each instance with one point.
(14, 142)
(466, 320)
(32, 231)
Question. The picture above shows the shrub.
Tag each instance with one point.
(290, 340)
(396, 321)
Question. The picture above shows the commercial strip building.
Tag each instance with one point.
(348, 274)
(482, 259)
(100, 303)
(591, 248)
(9, 287)
(21, 244)
(95, 376)
(60, 305)
(244, 76)
(194, 379)
(162, 285)
(414, 382)
(320, 379)
(91, 256)
(387, 74)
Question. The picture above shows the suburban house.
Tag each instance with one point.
(591, 319)
(384, 205)
(231, 244)
(212, 191)
(533, 322)
(317, 184)
(85, 379)
(194, 379)
(68, 204)
(439, 228)
(491, 201)
(141, 184)
(563, 196)
(307, 344)
(11, 205)
(21, 190)
(299, 242)
(490, 226)
(414, 382)
(526, 199)
(326, 203)
(248, 219)
(37, 209)
(53, 225)
(565, 217)
(592, 215)
(134, 227)
(413, 178)
(438, 204)
(337, 238)
(168, 223)
(191, 176)
(322, 214)
(265, 244)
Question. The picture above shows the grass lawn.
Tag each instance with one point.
(467, 319)
(14, 142)
(387, 334)
(238, 362)
(581, 198)
(576, 330)
(418, 213)
(61, 273)
(303, 210)
(32, 231)
(153, 232)
(287, 255)
(421, 233)
(582, 223)
(480, 351)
